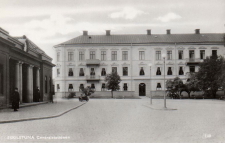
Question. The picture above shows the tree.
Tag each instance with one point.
(112, 82)
(87, 91)
(191, 85)
(210, 75)
(174, 87)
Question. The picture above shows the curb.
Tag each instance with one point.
(39, 118)
(159, 108)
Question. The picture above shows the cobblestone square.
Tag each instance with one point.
(128, 120)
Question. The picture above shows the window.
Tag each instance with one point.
(103, 73)
(125, 87)
(93, 86)
(192, 69)
(81, 55)
(214, 53)
(103, 86)
(46, 85)
(169, 72)
(191, 54)
(158, 55)
(141, 55)
(70, 87)
(125, 55)
(92, 73)
(125, 71)
(70, 72)
(158, 72)
(103, 55)
(58, 56)
(114, 55)
(180, 54)
(92, 54)
(142, 71)
(169, 55)
(114, 69)
(81, 87)
(58, 72)
(158, 86)
(181, 72)
(202, 54)
(70, 56)
(81, 73)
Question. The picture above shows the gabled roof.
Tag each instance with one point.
(144, 38)
(32, 46)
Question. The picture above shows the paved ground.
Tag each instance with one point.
(127, 120)
(39, 111)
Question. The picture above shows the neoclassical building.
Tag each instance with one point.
(138, 59)
(25, 66)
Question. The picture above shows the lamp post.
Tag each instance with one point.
(164, 56)
(150, 65)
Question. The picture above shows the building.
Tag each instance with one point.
(25, 66)
(138, 59)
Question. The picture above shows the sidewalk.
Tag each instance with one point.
(41, 111)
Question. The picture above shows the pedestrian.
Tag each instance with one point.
(15, 99)
(37, 95)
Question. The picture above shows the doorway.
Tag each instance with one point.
(142, 89)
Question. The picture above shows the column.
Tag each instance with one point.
(30, 83)
(17, 75)
(21, 81)
(38, 78)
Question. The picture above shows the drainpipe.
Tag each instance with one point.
(131, 71)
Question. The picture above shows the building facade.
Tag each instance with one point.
(25, 66)
(138, 59)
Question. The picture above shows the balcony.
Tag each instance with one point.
(92, 62)
(92, 77)
(193, 61)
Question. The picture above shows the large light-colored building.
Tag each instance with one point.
(138, 59)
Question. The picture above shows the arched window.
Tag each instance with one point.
(181, 72)
(81, 72)
(93, 86)
(142, 71)
(158, 72)
(169, 71)
(103, 73)
(81, 87)
(70, 72)
(158, 87)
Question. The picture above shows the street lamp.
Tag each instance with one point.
(150, 65)
(164, 56)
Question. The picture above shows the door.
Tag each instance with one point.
(142, 90)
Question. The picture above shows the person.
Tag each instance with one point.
(38, 94)
(15, 99)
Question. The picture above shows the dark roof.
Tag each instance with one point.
(154, 38)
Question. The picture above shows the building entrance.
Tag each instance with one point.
(142, 90)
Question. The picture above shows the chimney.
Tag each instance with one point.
(107, 32)
(85, 33)
(168, 31)
(149, 32)
(197, 31)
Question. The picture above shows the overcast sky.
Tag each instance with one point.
(50, 22)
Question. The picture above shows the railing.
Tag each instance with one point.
(92, 77)
(194, 60)
(92, 62)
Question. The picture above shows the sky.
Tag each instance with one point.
(50, 22)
